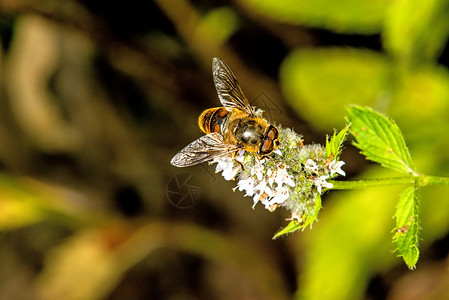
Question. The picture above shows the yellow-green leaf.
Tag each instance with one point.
(216, 26)
(307, 220)
(290, 228)
(342, 16)
(379, 139)
(349, 244)
(318, 84)
(407, 226)
(333, 144)
(416, 30)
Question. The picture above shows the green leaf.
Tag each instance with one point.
(290, 228)
(420, 97)
(407, 227)
(342, 16)
(380, 139)
(417, 30)
(333, 145)
(351, 243)
(313, 216)
(319, 83)
(307, 220)
(216, 27)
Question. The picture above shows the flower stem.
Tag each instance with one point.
(357, 184)
(432, 180)
(422, 180)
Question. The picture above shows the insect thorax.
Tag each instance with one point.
(250, 132)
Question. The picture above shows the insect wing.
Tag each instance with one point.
(228, 89)
(203, 149)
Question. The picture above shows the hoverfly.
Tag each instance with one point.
(230, 128)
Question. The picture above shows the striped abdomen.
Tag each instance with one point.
(212, 119)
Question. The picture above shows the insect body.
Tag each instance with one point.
(238, 128)
(230, 128)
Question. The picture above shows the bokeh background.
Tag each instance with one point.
(97, 96)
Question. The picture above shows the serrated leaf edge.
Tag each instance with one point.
(394, 140)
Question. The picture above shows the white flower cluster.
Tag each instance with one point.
(272, 187)
(294, 176)
(320, 181)
(228, 166)
(267, 186)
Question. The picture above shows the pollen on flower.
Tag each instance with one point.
(293, 177)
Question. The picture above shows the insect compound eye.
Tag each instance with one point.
(272, 133)
(266, 147)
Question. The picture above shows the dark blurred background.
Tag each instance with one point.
(97, 96)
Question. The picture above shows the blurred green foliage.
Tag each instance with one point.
(352, 242)
(97, 97)
(316, 82)
(415, 32)
(344, 16)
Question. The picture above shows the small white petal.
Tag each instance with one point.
(335, 167)
(282, 173)
(290, 181)
(310, 163)
(231, 173)
(263, 194)
(279, 197)
(257, 170)
(255, 200)
(220, 166)
(246, 185)
(271, 176)
(281, 176)
(268, 191)
(228, 167)
(311, 166)
(321, 182)
(261, 186)
(240, 156)
(259, 112)
(277, 151)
